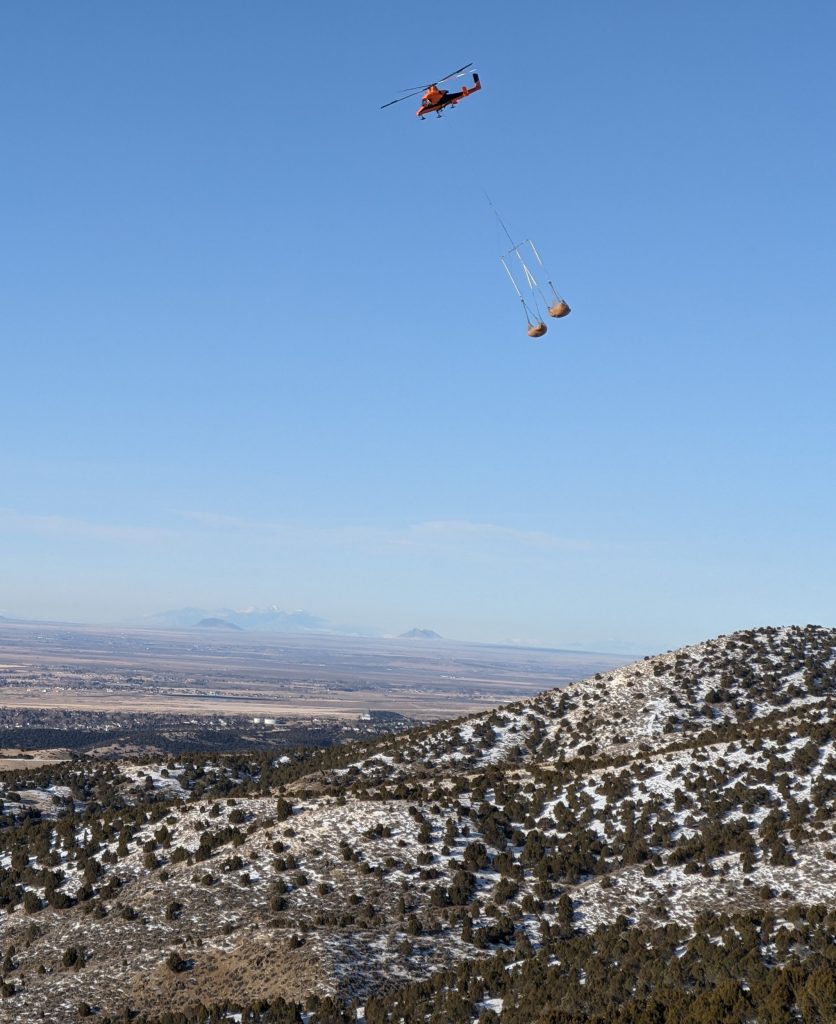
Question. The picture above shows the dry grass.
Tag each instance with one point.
(13, 759)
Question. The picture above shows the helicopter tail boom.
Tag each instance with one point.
(477, 85)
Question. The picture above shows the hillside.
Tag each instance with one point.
(662, 835)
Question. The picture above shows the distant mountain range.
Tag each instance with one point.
(267, 620)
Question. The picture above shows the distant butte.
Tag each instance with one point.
(421, 634)
(217, 624)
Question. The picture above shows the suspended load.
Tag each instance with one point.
(560, 308)
(525, 282)
(554, 304)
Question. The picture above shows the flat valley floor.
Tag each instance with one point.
(219, 673)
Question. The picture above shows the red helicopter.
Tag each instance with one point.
(435, 99)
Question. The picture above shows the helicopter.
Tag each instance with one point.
(435, 99)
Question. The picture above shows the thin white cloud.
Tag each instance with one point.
(435, 533)
(217, 521)
(466, 536)
(13, 521)
(459, 530)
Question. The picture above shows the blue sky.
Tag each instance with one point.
(258, 348)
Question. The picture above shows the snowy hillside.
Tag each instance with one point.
(683, 795)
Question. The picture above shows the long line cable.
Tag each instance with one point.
(555, 292)
(529, 278)
(501, 221)
(526, 310)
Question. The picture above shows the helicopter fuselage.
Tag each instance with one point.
(435, 99)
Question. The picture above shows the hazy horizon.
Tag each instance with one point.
(178, 621)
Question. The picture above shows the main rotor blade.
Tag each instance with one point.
(400, 98)
(420, 88)
(453, 74)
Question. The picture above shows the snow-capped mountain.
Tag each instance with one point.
(272, 619)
